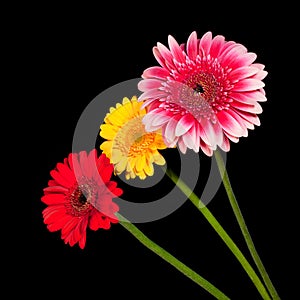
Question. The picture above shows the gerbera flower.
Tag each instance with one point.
(128, 145)
(205, 93)
(80, 196)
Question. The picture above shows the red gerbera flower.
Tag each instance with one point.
(205, 93)
(80, 196)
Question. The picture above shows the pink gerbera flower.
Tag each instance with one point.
(205, 93)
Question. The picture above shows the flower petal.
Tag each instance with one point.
(53, 199)
(216, 45)
(155, 72)
(192, 46)
(230, 124)
(248, 84)
(184, 124)
(205, 43)
(176, 50)
(148, 84)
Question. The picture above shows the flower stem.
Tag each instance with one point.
(171, 259)
(243, 226)
(221, 232)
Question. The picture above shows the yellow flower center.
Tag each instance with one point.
(132, 139)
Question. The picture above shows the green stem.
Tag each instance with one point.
(221, 232)
(171, 259)
(243, 226)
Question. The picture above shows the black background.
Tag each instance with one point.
(66, 57)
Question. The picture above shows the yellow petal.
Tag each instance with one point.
(125, 100)
(121, 165)
(159, 159)
(142, 175)
(107, 131)
(106, 147)
(116, 155)
(159, 142)
(140, 163)
(149, 170)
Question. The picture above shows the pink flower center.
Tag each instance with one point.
(204, 85)
(202, 92)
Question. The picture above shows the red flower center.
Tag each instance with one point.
(81, 198)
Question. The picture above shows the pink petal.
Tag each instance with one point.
(205, 42)
(230, 124)
(252, 118)
(210, 133)
(176, 50)
(258, 65)
(190, 140)
(232, 55)
(225, 145)
(169, 133)
(248, 84)
(254, 108)
(226, 48)
(155, 72)
(160, 119)
(216, 45)
(195, 138)
(159, 57)
(149, 84)
(184, 124)
(206, 149)
(242, 72)
(244, 60)
(260, 75)
(248, 97)
(234, 139)
(192, 46)
(166, 54)
(147, 102)
(182, 146)
(154, 93)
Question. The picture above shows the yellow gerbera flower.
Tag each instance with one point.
(128, 146)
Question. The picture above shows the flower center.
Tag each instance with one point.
(203, 84)
(81, 198)
(196, 95)
(132, 139)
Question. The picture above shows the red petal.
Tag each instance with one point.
(66, 172)
(59, 223)
(54, 199)
(61, 180)
(55, 189)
